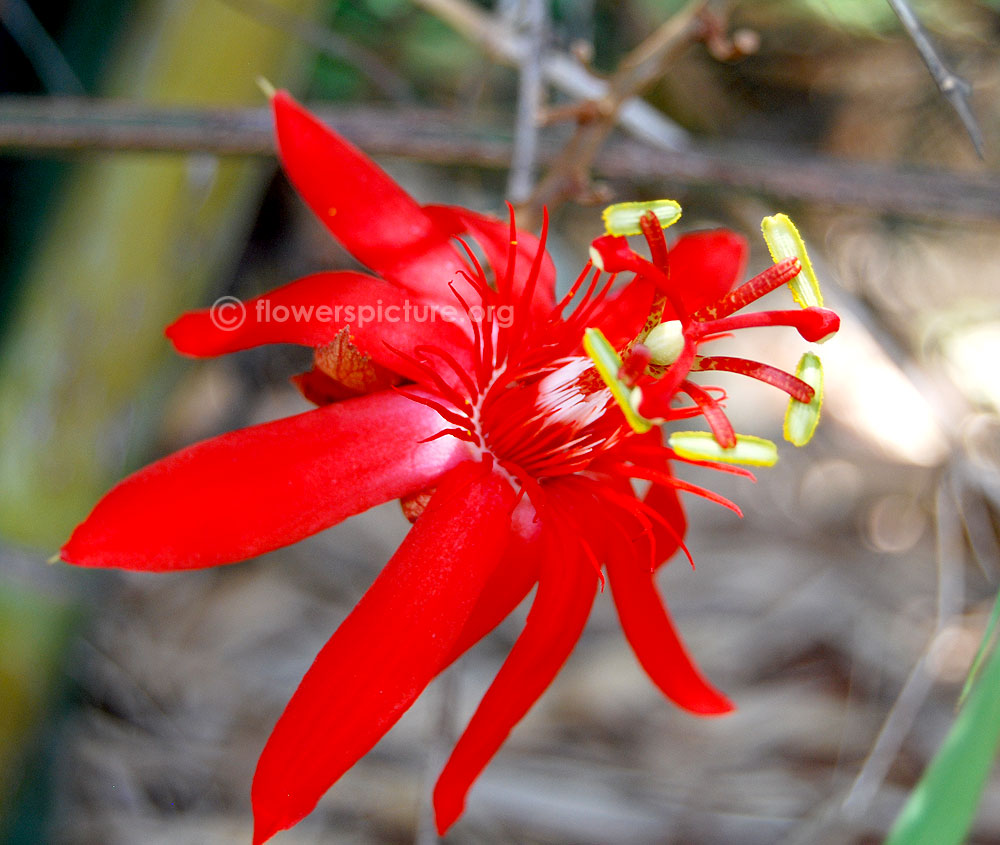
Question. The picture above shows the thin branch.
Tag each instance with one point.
(950, 595)
(956, 90)
(521, 181)
(561, 70)
(47, 60)
(570, 175)
(47, 125)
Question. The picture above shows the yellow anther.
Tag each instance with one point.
(801, 418)
(622, 218)
(784, 241)
(608, 364)
(702, 446)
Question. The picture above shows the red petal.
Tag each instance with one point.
(622, 315)
(510, 582)
(494, 237)
(254, 490)
(311, 312)
(375, 219)
(565, 594)
(647, 450)
(705, 266)
(654, 640)
(387, 650)
(665, 501)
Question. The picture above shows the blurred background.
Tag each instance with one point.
(842, 614)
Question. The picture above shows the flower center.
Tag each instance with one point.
(656, 363)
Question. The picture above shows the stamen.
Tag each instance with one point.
(772, 278)
(784, 241)
(608, 364)
(801, 419)
(716, 418)
(624, 218)
(653, 233)
(702, 445)
(762, 372)
(642, 451)
(816, 325)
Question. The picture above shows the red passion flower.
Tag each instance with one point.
(510, 426)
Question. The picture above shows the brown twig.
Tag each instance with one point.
(521, 180)
(561, 70)
(955, 89)
(569, 176)
(45, 125)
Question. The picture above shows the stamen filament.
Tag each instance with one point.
(716, 418)
(653, 233)
(814, 324)
(772, 278)
(762, 372)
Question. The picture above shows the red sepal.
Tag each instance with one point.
(510, 582)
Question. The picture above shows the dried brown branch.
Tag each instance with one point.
(534, 20)
(569, 176)
(561, 70)
(955, 89)
(45, 125)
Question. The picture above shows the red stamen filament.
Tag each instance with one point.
(813, 324)
(772, 278)
(653, 232)
(794, 387)
(716, 418)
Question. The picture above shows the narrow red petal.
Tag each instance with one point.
(254, 490)
(705, 266)
(311, 311)
(565, 594)
(648, 450)
(510, 582)
(387, 650)
(375, 219)
(667, 503)
(654, 640)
